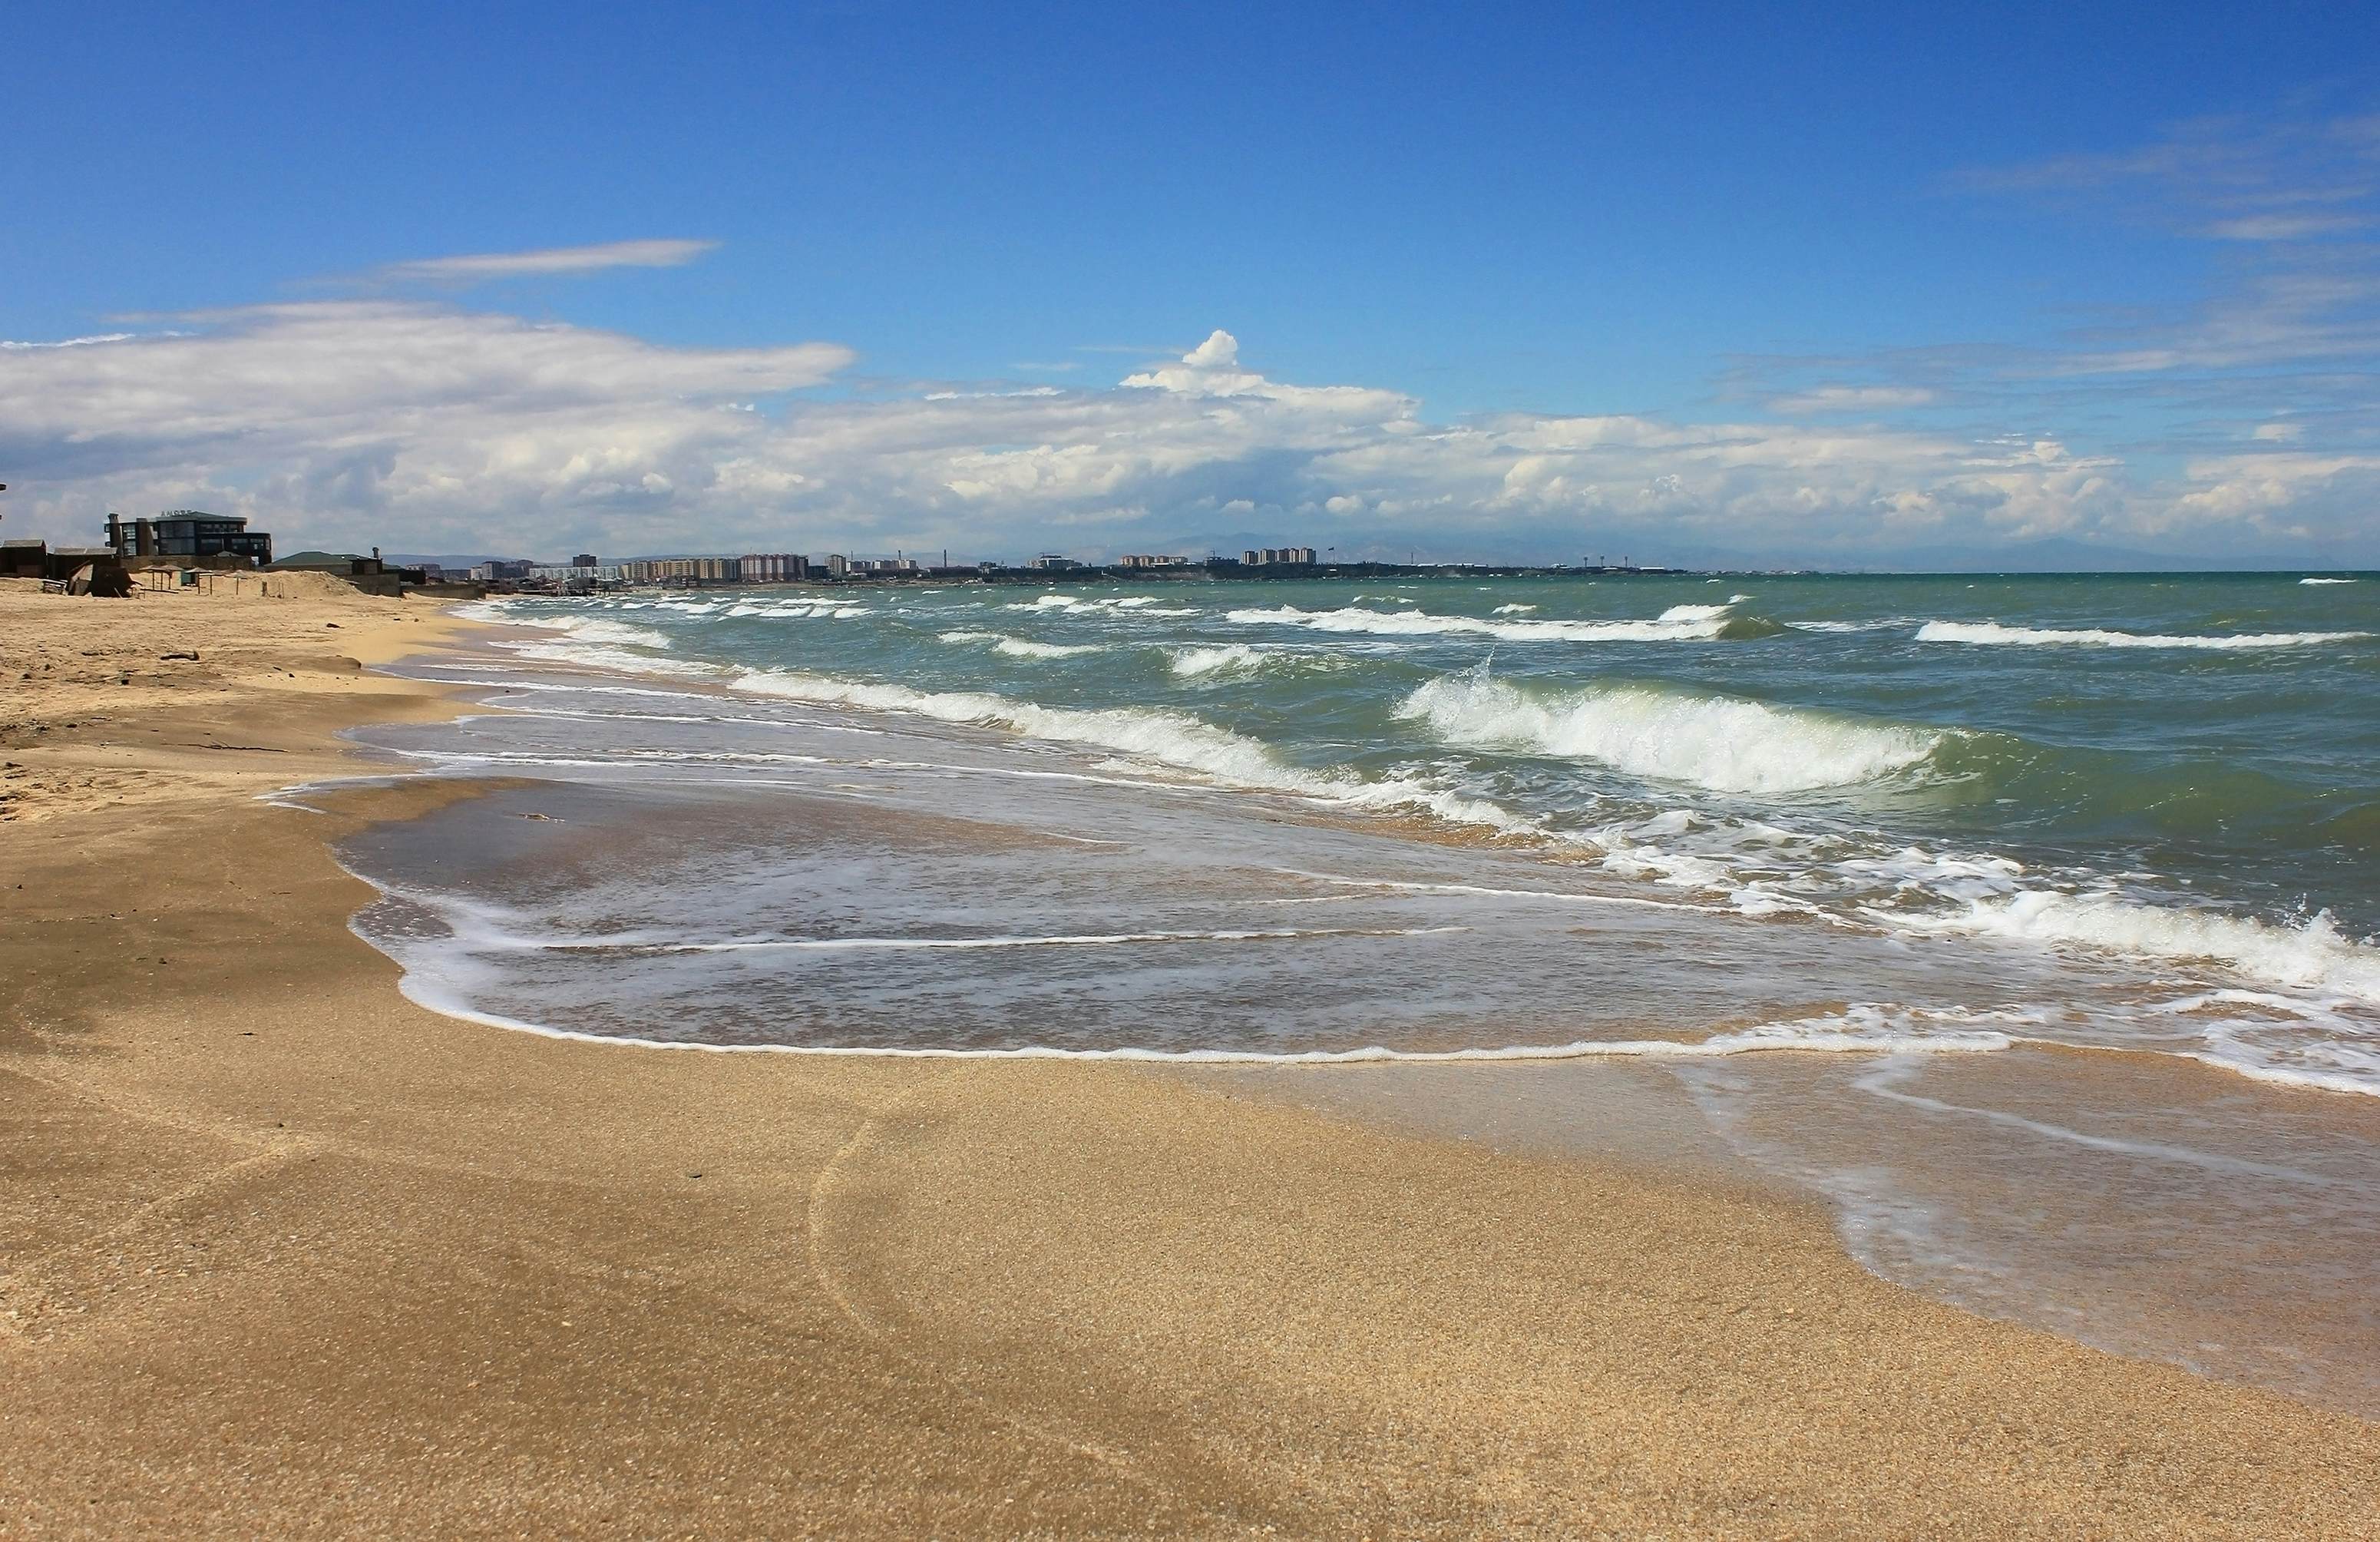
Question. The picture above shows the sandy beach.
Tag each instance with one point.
(283, 1254)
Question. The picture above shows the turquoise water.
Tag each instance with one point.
(2219, 732)
(2163, 767)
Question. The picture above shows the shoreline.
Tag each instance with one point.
(298, 1253)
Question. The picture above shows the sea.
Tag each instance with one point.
(2027, 923)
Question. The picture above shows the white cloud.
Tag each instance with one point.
(1213, 369)
(2280, 494)
(428, 428)
(480, 267)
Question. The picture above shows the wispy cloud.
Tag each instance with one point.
(2287, 227)
(1823, 399)
(485, 266)
(71, 342)
(2247, 407)
(2228, 178)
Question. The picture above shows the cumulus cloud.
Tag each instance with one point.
(482, 267)
(2295, 496)
(425, 427)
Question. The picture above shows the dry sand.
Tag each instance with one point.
(283, 1254)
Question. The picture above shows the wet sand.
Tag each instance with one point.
(281, 1253)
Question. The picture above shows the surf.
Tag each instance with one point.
(1720, 743)
(1990, 633)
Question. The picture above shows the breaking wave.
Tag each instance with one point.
(2038, 637)
(587, 628)
(1238, 657)
(1145, 604)
(1720, 743)
(795, 610)
(575, 649)
(1023, 647)
(1679, 623)
(2315, 956)
(1166, 737)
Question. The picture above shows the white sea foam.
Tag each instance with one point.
(587, 628)
(1023, 647)
(597, 629)
(1137, 605)
(1988, 632)
(1236, 658)
(1845, 625)
(2326, 580)
(592, 655)
(1682, 624)
(1721, 743)
(592, 628)
(2315, 955)
(794, 610)
(1513, 610)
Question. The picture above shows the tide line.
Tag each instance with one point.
(1639, 1049)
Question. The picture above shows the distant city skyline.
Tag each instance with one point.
(1844, 289)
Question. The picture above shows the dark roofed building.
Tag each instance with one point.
(345, 564)
(23, 559)
(188, 533)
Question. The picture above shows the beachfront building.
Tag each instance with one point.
(838, 565)
(1051, 562)
(773, 568)
(1272, 556)
(660, 570)
(191, 533)
(1152, 562)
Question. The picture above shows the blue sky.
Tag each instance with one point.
(1737, 283)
